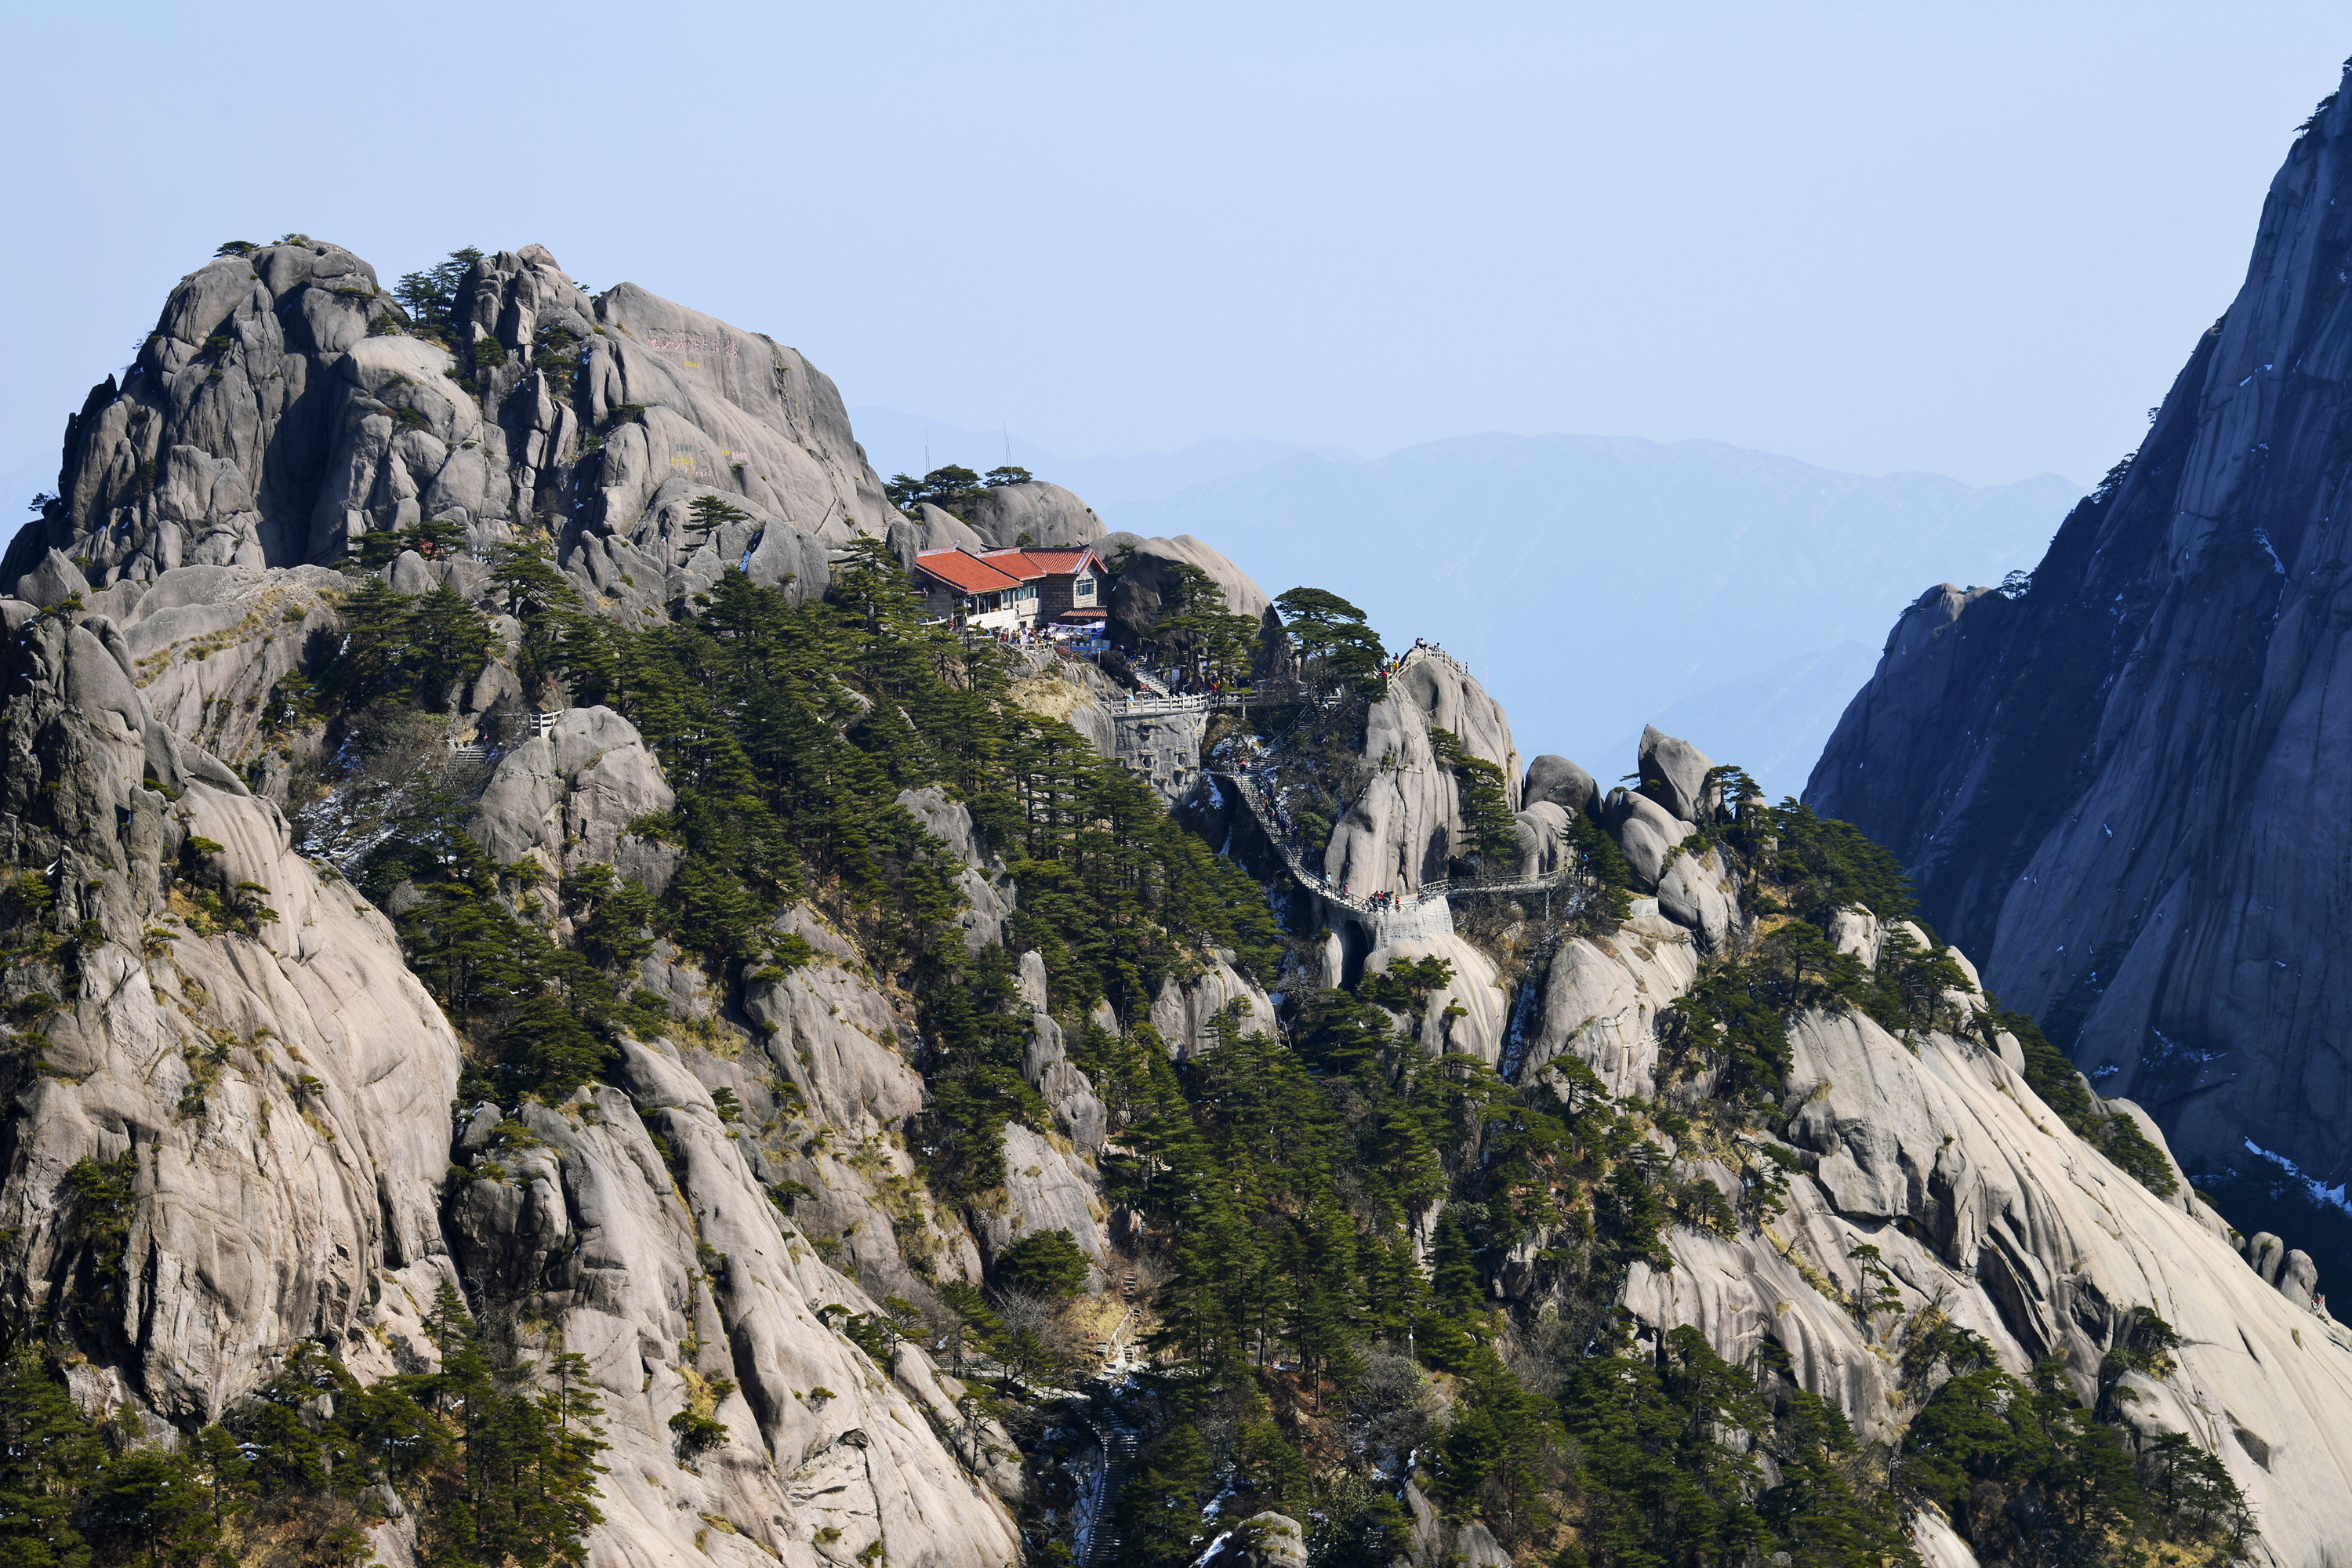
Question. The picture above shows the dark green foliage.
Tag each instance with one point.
(404, 647)
(496, 1461)
(1044, 1263)
(2021, 1467)
(1823, 864)
(947, 488)
(711, 513)
(431, 538)
(1336, 645)
(1658, 1488)
(430, 297)
(1195, 628)
(540, 1019)
(1009, 474)
(1605, 864)
(48, 1453)
(1160, 1511)
(2054, 1077)
(103, 1195)
(1489, 831)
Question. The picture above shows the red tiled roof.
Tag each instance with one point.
(1034, 562)
(964, 571)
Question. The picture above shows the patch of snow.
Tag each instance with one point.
(2263, 539)
(2334, 1194)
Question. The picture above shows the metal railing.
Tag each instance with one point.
(482, 751)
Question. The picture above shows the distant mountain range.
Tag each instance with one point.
(1594, 585)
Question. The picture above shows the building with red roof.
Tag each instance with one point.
(1003, 589)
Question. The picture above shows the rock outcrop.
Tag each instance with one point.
(1010, 516)
(1980, 1200)
(234, 1028)
(1186, 1011)
(1405, 828)
(275, 1080)
(988, 891)
(1143, 577)
(2118, 784)
(282, 409)
(1556, 780)
(570, 796)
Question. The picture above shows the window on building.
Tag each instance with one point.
(1082, 587)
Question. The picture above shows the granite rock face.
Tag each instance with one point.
(1560, 782)
(2122, 786)
(1186, 1011)
(283, 407)
(1143, 576)
(568, 797)
(1009, 516)
(981, 877)
(280, 1087)
(1403, 830)
(245, 1035)
(1939, 1154)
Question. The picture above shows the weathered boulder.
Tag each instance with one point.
(1561, 782)
(1186, 1011)
(1674, 774)
(1544, 845)
(1646, 831)
(1007, 516)
(1696, 891)
(931, 527)
(1404, 827)
(51, 583)
(1855, 931)
(1266, 1539)
(1143, 576)
(567, 799)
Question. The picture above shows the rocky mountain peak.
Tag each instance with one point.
(2119, 782)
(286, 407)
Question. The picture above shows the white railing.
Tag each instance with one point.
(482, 751)
(1191, 702)
(1419, 651)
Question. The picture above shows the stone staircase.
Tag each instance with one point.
(479, 750)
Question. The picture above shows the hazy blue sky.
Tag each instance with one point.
(1977, 240)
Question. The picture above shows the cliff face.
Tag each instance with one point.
(204, 1006)
(216, 1015)
(2124, 787)
(279, 411)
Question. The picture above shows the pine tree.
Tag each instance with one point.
(47, 1450)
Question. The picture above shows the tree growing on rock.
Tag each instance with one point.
(1336, 646)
